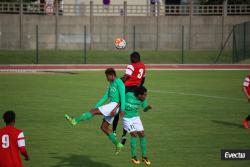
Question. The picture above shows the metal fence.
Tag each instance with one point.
(124, 9)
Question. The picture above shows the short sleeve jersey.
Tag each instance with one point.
(136, 72)
(11, 139)
(132, 105)
(246, 84)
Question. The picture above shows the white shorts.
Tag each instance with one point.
(106, 110)
(132, 124)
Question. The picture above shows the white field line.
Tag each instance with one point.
(151, 69)
(199, 95)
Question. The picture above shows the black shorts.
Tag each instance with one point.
(130, 88)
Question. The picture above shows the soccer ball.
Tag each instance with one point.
(120, 43)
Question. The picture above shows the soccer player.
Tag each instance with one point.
(134, 76)
(132, 122)
(246, 90)
(11, 142)
(116, 95)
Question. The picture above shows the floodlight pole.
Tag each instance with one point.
(21, 23)
(37, 49)
(134, 38)
(85, 45)
(182, 44)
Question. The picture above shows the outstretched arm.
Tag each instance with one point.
(103, 99)
(121, 89)
(147, 108)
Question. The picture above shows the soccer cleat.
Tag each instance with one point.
(245, 123)
(123, 140)
(70, 119)
(134, 160)
(146, 161)
(119, 147)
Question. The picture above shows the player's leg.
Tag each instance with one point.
(143, 142)
(245, 122)
(133, 140)
(115, 123)
(108, 132)
(88, 115)
(85, 116)
(127, 124)
(102, 110)
(105, 128)
(124, 138)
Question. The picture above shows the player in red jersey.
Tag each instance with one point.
(134, 77)
(246, 90)
(11, 142)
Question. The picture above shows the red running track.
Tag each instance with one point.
(20, 68)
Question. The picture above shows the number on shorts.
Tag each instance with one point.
(5, 141)
(132, 127)
(141, 70)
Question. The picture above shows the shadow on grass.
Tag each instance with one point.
(228, 124)
(74, 160)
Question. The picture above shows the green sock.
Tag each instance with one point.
(143, 146)
(113, 138)
(133, 145)
(84, 116)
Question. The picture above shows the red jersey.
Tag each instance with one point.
(136, 72)
(246, 84)
(11, 140)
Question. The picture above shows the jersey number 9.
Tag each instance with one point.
(5, 141)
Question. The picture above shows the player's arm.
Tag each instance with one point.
(103, 99)
(128, 72)
(246, 93)
(121, 89)
(24, 153)
(146, 106)
(125, 77)
(245, 85)
(21, 146)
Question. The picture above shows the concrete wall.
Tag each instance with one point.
(164, 32)
(113, 2)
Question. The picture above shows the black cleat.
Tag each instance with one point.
(123, 140)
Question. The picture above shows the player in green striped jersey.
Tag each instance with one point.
(132, 122)
(115, 93)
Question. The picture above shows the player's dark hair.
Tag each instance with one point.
(9, 117)
(140, 90)
(135, 57)
(110, 71)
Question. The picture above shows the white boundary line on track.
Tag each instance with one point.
(160, 67)
(53, 70)
(196, 94)
(152, 69)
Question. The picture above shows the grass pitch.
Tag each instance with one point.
(195, 115)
